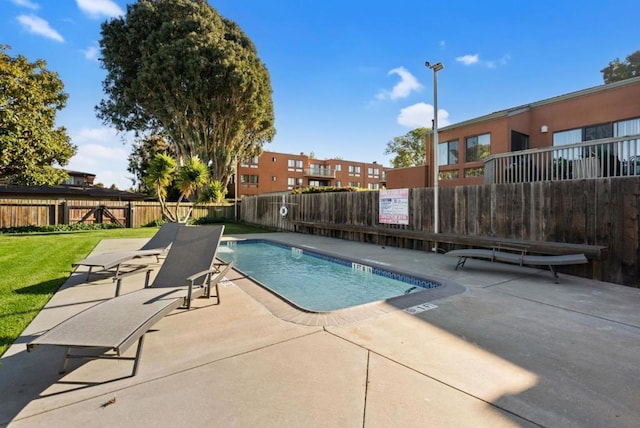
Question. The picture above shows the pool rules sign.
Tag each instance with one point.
(394, 206)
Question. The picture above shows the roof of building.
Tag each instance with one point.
(311, 158)
(71, 191)
(525, 107)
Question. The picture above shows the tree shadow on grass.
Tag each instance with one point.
(45, 287)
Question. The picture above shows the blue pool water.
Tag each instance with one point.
(314, 281)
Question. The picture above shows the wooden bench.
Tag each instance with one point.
(594, 253)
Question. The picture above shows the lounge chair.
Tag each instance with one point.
(156, 246)
(117, 323)
(522, 258)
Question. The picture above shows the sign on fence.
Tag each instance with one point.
(394, 206)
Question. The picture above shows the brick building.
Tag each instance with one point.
(611, 110)
(281, 172)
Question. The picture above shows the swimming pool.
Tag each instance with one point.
(314, 281)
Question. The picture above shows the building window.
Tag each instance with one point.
(374, 186)
(294, 165)
(250, 162)
(478, 147)
(474, 172)
(597, 132)
(249, 180)
(570, 136)
(354, 184)
(626, 127)
(338, 167)
(274, 159)
(448, 175)
(314, 183)
(373, 172)
(354, 171)
(274, 178)
(338, 183)
(448, 153)
(293, 183)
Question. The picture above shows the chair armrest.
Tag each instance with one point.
(119, 277)
(214, 269)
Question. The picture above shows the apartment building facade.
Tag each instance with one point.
(605, 111)
(280, 172)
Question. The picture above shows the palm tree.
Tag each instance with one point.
(190, 177)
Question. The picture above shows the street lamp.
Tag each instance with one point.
(435, 67)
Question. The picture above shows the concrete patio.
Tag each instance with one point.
(507, 346)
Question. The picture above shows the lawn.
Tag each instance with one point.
(34, 266)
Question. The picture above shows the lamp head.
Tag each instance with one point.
(435, 67)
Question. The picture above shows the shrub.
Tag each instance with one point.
(59, 228)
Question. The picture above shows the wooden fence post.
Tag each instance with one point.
(129, 215)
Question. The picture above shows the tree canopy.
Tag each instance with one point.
(617, 70)
(31, 148)
(409, 149)
(177, 68)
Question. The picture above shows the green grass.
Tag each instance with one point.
(34, 266)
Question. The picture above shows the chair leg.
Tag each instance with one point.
(63, 370)
(461, 262)
(138, 356)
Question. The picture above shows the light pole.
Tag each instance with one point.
(235, 190)
(435, 67)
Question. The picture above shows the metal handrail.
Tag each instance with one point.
(607, 157)
(320, 172)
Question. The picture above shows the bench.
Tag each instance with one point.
(594, 253)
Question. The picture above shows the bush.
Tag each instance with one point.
(60, 228)
(206, 220)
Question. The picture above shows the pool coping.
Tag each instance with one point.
(289, 311)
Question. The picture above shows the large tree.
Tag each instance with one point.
(617, 70)
(178, 68)
(31, 148)
(143, 152)
(409, 149)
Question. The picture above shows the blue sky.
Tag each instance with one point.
(348, 75)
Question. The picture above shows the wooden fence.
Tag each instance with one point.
(40, 212)
(594, 212)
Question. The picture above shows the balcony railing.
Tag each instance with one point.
(609, 157)
(320, 172)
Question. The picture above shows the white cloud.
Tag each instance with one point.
(421, 115)
(26, 3)
(37, 25)
(408, 84)
(101, 152)
(502, 61)
(475, 59)
(468, 59)
(442, 44)
(91, 53)
(99, 8)
(101, 135)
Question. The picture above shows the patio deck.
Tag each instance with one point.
(512, 349)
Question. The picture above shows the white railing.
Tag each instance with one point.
(320, 172)
(609, 157)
